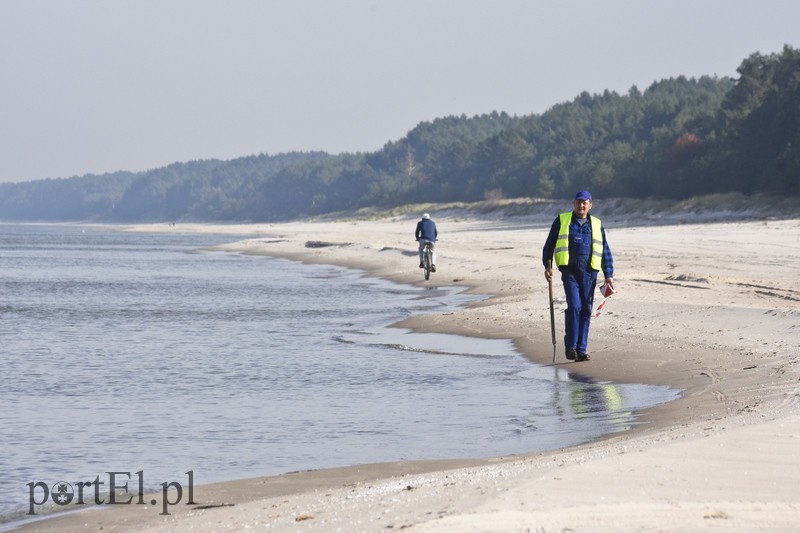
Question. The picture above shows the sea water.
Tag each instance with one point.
(142, 353)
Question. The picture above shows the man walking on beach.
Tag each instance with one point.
(426, 232)
(578, 243)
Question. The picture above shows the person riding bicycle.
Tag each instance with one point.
(426, 233)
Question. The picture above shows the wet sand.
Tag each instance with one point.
(712, 309)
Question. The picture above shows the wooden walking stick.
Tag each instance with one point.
(552, 313)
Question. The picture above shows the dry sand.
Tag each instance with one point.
(712, 309)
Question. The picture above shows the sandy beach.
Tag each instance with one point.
(712, 309)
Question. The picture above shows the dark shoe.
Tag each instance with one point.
(583, 357)
(433, 268)
(571, 354)
(421, 265)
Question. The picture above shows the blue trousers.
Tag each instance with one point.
(579, 288)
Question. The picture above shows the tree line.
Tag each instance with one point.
(678, 138)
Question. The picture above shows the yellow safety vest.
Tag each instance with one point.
(562, 243)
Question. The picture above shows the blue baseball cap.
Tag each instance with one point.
(583, 195)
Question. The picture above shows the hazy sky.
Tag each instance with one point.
(94, 86)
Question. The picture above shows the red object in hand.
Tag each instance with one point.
(606, 290)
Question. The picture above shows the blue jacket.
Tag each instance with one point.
(426, 230)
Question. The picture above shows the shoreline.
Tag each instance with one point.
(712, 322)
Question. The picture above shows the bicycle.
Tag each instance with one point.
(427, 260)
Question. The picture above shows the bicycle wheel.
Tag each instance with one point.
(427, 262)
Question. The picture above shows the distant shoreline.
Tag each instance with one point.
(708, 209)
